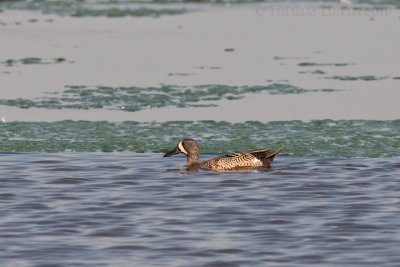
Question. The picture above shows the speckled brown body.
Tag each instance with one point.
(234, 161)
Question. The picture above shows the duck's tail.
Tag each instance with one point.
(266, 156)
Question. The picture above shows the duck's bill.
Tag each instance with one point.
(172, 152)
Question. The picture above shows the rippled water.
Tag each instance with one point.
(128, 209)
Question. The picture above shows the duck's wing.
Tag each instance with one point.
(226, 162)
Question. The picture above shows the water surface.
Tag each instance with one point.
(128, 209)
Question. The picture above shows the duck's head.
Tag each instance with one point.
(189, 147)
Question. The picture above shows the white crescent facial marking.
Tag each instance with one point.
(181, 148)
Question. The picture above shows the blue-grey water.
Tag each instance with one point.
(139, 209)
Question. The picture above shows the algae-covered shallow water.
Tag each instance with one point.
(136, 98)
(323, 138)
(130, 209)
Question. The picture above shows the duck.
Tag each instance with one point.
(229, 162)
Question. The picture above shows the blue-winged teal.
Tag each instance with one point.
(234, 161)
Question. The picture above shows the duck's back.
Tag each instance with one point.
(254, 158)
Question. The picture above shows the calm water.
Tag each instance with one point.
(129, 209)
